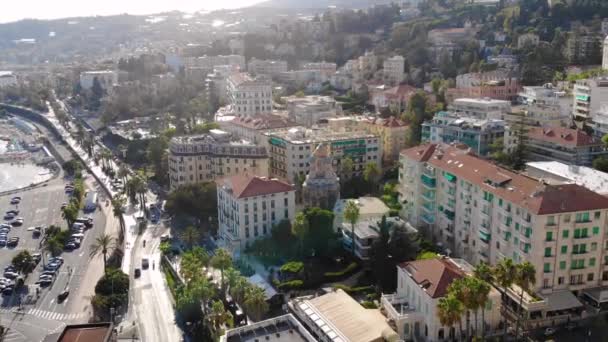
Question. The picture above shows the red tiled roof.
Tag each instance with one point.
(249, 186)
(524, 191)
(434, 275)
(562, 136)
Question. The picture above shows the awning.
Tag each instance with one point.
(582, 97)
(598, 294)
(562, 300)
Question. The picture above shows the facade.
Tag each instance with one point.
(555, 172)
(249, 96)
(395, 98)
(290, 151)
(527, 40)
(284, 328)
(325, 69)
(500, 84)
(217, 81)
(7, 79)
(605, 52)
(394, 70)
(203, 158)
(484, 213)
(569, 146)
(268, 67)
(253, 128)
(321, 188)
(484, 108)
(543, 106)
(106, 78)
(367, 233)
(412, 310)
(308, 110)
(249, 206)
(583, 46)
(336, 316)
(589, 95)
(477, 134)
(210, 62)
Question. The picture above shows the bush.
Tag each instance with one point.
(424, 255)
(369, 304)
(292, 284)
(393, 212)
(293, 267)
(351, 268)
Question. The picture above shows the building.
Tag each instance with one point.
(7, 79)
(569, 146)
(605, 51)
(284, 328)
(588, 96)
(527, 40)
(326, 69)
(106, 79)
(370, 209)
(249, 96)
(203, 158)
(341, 81)
(394, 70)
(583, 47)
(367, 233)
(336, 316)
(500, 84)
(484, 213)
(482, 108)
(321, 188)
(412, 310)
(554, 172)
(542, 106)
(268, 67)
(89, 332)
(395, 99)
(308, 110)
(249, 206)
(210, 62)
(253, 128)
(217, 82)
(478, 134)
(290, 151)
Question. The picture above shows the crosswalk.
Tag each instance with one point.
(55, 316)
(14, 336)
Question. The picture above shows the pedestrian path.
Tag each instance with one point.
(55, 316)
(14, 336)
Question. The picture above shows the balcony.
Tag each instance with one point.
(428, 182)
(428, 196)
(429, 219)
(397, 307)
(429, 208)
(450, 215)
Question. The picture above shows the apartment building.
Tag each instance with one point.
(478, 134)
(268, 67)
(367, 232)
(249, 206)
(582, 47)
(217, 81)
(210, 62)
(394, 70)
(559, 173)
(203, 158)
(527, 40)
(325, 68)
(480, 108)
(500, 84)
(249, 96)
(589, 95)
(569, 146)
(484, 213)
(308, 110)
(542, 106)
(106, 78)
(252, 128)
(412, 309)
(395, 99)
(290, 150)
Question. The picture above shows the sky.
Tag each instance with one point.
(53, 9)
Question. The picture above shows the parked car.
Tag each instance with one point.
(44, 282)
(87, 221)
(13, 211)
(137, 273)
(7, 291)
(145, 263)
(165, 237)
(12, 242)
(16, 200)
(63, 295)
(11, 274)
(17, 222)
(57, 259)
(9, 216)
(64, 205)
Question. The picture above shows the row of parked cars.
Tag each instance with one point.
(49, 271)
(7, 282)
(77, 232)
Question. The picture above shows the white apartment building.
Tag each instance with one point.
(484, 108)
(325, 68)
(253, 128)
(249, 96)
(394, 70)
(420, 286)
(290, 150)
(589, 95)
(106, 78)
(308, 110)
(544, 106)
(210, 62)
(7, 79)
(484, 213)
(249, 206)
(266, 67)
(203, 158)
(605, 53)
(217, 82)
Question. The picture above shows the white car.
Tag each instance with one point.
(549, 331)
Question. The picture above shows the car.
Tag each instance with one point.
(13, 212)
(549, 331)
(45, 276)
(16, 200)
(78, 225)
(17, 222)
(57, 259)
(51, 273)
(5, 225)
(12, 242)
(145, 263)
(2, 242)
(9, 216)
(44, 282)
(165, 237)
(7, 291)
(4, 230)
(70, 246)
(137, 273)
(10, 268)
(64, 205)
(63, 295)
(51, 266)
(11, 274)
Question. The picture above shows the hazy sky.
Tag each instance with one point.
(52, 9)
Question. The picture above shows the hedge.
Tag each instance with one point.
(369, 304)
(353, 290)
(349, 269)
(293, 267)
(292, 284)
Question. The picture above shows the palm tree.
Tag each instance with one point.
(53, 246)
(118, 209)
(70, 214)
(484, 272)
(203, 290)
(222, 260)
(191, 236)
(123, 173)
(351, 215)
(525, 277)
(232, 276)
(482, 293)
(463, 291)
(240, 288)
(299, 229)
(190, 267)
(449, 312)
(255, 302)
(103, 244)
(504, 274)
(219, 316)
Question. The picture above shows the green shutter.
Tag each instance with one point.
(549, 236)
(565, 234)
(562, 265)
(564, 249)
(596, 230)
(592, 262)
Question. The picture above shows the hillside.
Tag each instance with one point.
(321, 4)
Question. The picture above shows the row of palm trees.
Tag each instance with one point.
(471, 294)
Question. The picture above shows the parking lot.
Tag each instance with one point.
(42, 207)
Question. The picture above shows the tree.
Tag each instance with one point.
(372, 174)
(197, 200)
(190, 267)
(449, 312)
(463, 289)
(222, 260)
(519, 153)
(484, 273)
(525, 277)
(232, 276)
(104, 244)
(191, 236)
(481, 293)
(70, 214)
(382, 267)
(53, 246)
(346, 168)
(219, 316)
(600, 164)
(24, 262)
(321, 237)
(118, 209)
(255, 302)
(300, 229)
(165, 248)
(157, 156)
(239, 289)
(504, 274)
(123, 173)
(351, 215)
(402, 246)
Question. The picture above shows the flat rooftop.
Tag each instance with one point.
(284, 328)
(590, 178)
(95, 332)
(367, 206)
(301, 135)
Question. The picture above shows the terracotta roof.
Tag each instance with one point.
(521, 190)
(243, 186)
(434, 275)
(94, 332)
(263, 121)
(562, 136)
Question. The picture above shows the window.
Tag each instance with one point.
(547, 267)
(596, 215)
(577, 233)
(560, 280)
(548, 252)
(565, 234)
(562, 265)
(582, 217)
(593, 246)
(272, 204)
(595, 230)
(549, 236)
(567, 218)
(286, 201)
(590, 277)
(564, 249)
(592, 262)
(286, 213)
(584, 233)
(551, 221)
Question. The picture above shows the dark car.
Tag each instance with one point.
(12, 242)
(145, 263)
(63, 295)
(137, 273)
